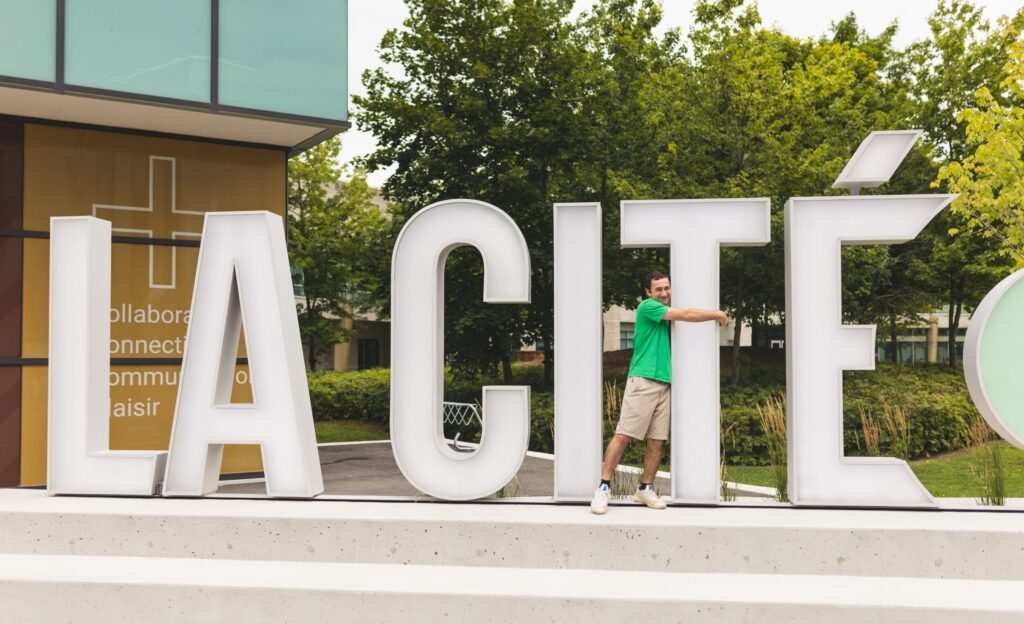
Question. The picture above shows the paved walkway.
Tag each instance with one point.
(369, 469)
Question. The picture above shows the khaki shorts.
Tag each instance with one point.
(645, 409)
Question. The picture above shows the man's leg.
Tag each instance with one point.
(656, 436)
(634, 421)
(652, 460)
(613, 455)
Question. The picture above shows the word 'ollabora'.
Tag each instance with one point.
(243, 273)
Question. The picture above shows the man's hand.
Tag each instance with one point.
(722, 319)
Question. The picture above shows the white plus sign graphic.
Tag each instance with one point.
(162, 195)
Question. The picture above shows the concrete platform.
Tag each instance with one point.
(766, 540)
(132, 589)
(80, 559)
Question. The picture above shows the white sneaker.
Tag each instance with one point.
(649, 498)
(599, 504)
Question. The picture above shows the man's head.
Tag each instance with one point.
(658, 286)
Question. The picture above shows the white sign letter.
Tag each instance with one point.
(819, 347)
(694, 230)
(578, 327)
(243, 276)
(79, 459)
(992, 353)
(417, 351)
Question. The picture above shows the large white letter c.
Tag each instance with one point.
(417, 351)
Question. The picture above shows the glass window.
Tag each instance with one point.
(626, 334)
(906, 353)
(920, 353)
(369, 353)
(148, 47)
(28, 39)
(298, 282)
(285, 57)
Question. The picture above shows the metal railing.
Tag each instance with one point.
(460, 415)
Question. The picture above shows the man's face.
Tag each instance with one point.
(661, 290)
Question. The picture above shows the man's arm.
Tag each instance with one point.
(695, 315)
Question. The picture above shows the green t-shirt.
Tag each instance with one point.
(652, 355)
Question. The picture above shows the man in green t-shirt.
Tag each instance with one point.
(646, 401)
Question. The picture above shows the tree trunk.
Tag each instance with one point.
(312, 356)
(894, 341)
(547, 328)
(953, 317)
(549, 359)
(736, 331)
(506, 367)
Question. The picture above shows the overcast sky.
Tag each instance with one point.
(370, 19)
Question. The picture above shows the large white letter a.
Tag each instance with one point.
(243, 273)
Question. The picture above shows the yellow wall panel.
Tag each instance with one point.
(142, 400)
(146, 187)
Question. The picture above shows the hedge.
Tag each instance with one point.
(356, 395)
(934, 398)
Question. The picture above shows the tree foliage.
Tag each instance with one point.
(336, 236)
(990, 179)
(515, 104)
(523, 104)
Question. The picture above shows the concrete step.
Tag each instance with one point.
(85, 589)
(760, 540)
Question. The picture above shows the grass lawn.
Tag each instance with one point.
(949, 475)
(751, 475)
(348, 431)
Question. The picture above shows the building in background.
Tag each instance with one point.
(926, 343)
(147, 114)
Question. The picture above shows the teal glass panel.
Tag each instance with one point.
(285, 57)
(149, 47)
(28, 39)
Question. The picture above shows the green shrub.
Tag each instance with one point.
(366, 395)
(542, 421)
(935, 399)
(355, 395)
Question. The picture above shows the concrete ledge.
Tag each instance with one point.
(952, 545)
(131, 589)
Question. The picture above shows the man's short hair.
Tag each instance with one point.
(653, 275)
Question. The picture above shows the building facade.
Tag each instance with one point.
(147, 114)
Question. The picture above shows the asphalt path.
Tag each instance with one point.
(369, 469)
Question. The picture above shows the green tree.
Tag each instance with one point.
(948, 69)
(964, 267)
(763, 114)
(961, 56)
(516, 104)
(335, 235)
(482, 110)
(623, 130)
(990, 179)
